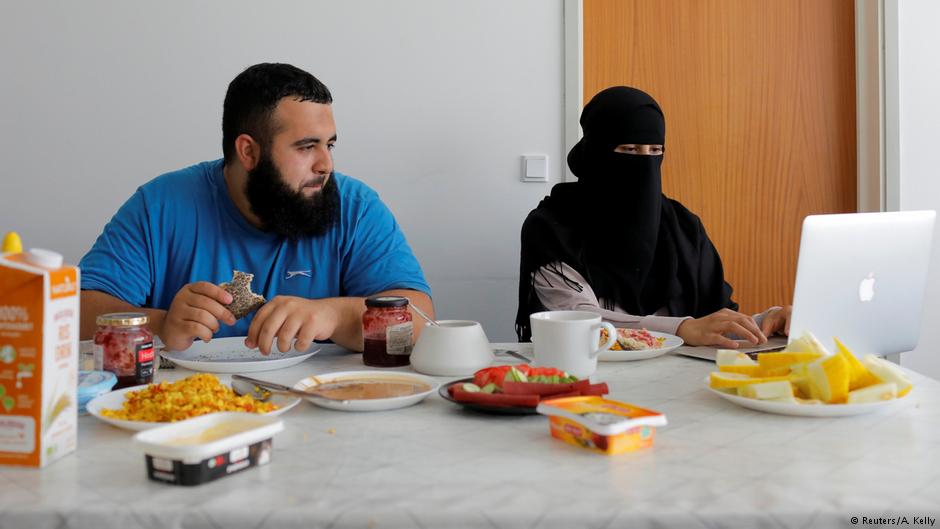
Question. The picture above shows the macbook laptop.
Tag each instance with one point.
(860, 277)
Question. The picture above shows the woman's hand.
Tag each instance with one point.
(777, 321)
(714, 329)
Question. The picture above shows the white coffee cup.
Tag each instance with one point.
(567, 340)
(451, 348)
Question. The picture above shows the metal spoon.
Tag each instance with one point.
(512, 353)
(262, 390)
(423, 315)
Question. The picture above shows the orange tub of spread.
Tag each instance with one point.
(602, 425)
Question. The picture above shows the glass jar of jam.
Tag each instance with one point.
(387, 331)
(124, 345)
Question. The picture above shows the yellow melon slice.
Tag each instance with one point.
(730, 357)
(885, 371)
(799, 377)
(751, 371)
(859, 376)
(875, 393)
(781, 360)
(830, 376)
(808, 343)
(719, 380)
(767, 390)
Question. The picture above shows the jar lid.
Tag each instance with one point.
(44, 258)
(122, 319)
(386, 301)
(94, 383)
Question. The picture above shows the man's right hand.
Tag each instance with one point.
(714, 329)
(195, 314)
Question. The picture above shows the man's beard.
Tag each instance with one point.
(286, 212)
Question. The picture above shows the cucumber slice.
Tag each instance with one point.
(489, 388)
(514, 375)
(472, 388)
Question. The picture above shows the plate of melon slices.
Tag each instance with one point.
(807, 380)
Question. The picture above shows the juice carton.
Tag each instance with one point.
(38, 358)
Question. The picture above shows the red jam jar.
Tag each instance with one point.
(125, 346)
(387, 332)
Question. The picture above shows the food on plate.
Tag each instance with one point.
(601, 425)
(887, 372)
(812, 376)
(725, 380)
(522, 385)
(497, 375)
(874, 393)
(730, 357)
(244, 301)
(808, 343)
(366, 388)
(829, 378)
(633, 340)
(779, 389)
(190, 397)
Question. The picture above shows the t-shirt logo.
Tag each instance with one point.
(294, 273)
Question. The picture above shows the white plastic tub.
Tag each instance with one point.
(207, 448)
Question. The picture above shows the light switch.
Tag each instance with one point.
(535, 168)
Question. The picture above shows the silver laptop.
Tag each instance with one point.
(860, 277)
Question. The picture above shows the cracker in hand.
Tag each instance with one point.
(244, 301)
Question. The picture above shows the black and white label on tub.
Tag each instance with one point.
(235, 467)
(162, 464)
(238, 454)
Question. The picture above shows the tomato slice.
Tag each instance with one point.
(497, 374)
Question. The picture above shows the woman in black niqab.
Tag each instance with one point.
(639, 251)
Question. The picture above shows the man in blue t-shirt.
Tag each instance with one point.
(317, 242)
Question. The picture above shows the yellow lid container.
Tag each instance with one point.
(601, 425)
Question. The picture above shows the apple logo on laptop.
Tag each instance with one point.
(866, 288)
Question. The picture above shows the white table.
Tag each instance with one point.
(437, 465)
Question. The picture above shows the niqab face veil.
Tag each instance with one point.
(636, 248)
(620, 218)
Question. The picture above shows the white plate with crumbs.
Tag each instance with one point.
(229, 355)
(115, 400)
(369, 390)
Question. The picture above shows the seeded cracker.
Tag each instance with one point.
(244, 301)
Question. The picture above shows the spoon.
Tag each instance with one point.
(262, 390)
(423, 315)
(513, 354)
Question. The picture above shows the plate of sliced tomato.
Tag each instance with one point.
(516, 389)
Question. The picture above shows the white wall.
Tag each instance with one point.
(435, 101)
(918, 82)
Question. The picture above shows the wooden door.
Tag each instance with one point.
(759, 99)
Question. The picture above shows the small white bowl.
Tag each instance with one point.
(452, 348)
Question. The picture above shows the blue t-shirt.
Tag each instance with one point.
(183, 227)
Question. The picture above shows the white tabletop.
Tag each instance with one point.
(437, 465)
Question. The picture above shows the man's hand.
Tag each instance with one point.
(777, 320)
(714, 328)
(289, 317)
(194, 314)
